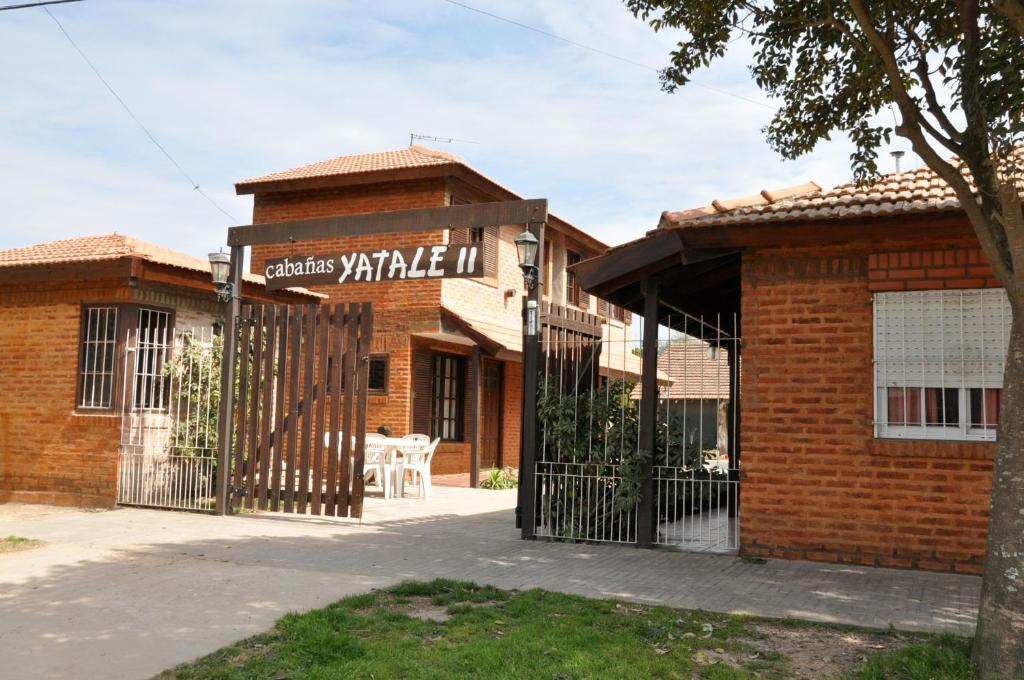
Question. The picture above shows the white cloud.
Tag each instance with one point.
(239, 90)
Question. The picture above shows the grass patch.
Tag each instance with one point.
(452, 629)
(13, 543)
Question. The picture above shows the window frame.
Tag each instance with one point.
(963, 430)
(122, 390)
(118, 357)
(459, 399)
(134, 311)
(573, 290)
(386, 358)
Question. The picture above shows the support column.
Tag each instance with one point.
(527, 507)
(474, 465)
(645, 523)
(232, 309)
(734, 417)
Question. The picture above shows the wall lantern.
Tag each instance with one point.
(526, 247)
(220, 270)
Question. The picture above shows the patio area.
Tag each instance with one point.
(127, 593)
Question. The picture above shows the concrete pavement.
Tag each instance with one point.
(128, 593)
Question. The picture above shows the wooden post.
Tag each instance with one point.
(527, 507)
(474, 465)
(227, 382)
(648, 413)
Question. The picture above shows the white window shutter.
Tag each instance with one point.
(946, 338)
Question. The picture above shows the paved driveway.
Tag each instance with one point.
(127, 593)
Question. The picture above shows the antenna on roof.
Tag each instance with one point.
(413, 137)
(896, 156)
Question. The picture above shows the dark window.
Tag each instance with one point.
(448, 388)
(476, 234)
(152, 346)
(378, 381)
(98, 358)
(984, 406)
(572, 287)
(548, 254)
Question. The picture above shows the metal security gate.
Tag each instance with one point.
(591, 472)
(300, 409)
(169, 394)
(696, 460)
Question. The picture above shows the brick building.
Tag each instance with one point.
(440, 345)
(873, 341)
(71, 314)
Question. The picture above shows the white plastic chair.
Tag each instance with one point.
(417, 461)
(375, 463)
(421, 439)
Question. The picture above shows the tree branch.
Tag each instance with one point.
(912, 128)
(930, 97)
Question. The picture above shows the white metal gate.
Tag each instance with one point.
(170, 392)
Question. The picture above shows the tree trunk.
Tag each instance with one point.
(999, 641)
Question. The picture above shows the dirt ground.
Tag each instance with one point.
(815, 652)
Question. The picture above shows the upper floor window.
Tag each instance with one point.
(939, 363)
(573, 292)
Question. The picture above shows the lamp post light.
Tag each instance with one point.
(526, 247)
(226, 272)
(220, 271)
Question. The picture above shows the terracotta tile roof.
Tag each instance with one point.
(112, 247)
(415, 156)
(691, 372)
(765, 197)
(914, 191)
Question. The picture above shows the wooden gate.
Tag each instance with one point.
(300, 414)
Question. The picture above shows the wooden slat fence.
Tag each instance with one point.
(300, 416)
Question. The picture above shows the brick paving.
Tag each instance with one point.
(127, 593)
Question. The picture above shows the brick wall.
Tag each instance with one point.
(48, 452)
(408, 307)
(816, 483)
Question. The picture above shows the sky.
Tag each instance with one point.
(235, 89)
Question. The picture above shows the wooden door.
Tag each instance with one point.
(490, 414)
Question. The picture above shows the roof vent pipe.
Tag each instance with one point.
(896, 156)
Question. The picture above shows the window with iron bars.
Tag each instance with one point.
(98, 357)
(939, 359)
(152, 345)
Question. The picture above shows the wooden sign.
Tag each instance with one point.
(387, 264)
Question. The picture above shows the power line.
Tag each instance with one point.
(37, 4)
(138, 122)
(595, 50)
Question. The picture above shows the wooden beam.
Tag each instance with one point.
(877, 228)
(645, 522)
(474, 465)
(490, 346)
(425, 219)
